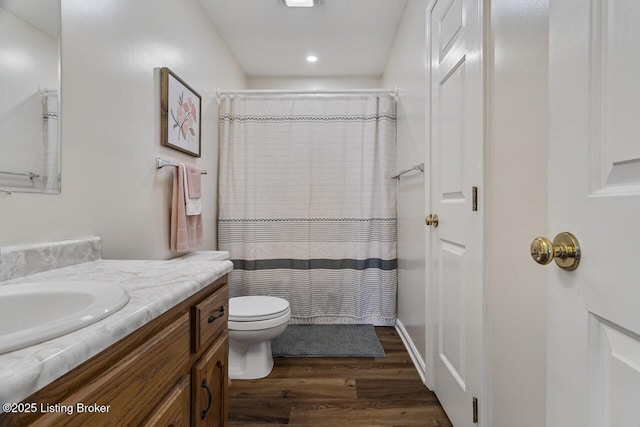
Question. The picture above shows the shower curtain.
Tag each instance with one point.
(307, 208)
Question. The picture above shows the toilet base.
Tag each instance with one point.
(250, 341)
(249, 362)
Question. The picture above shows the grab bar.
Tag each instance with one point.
(419, 167)
(31, 175)
(162, 163)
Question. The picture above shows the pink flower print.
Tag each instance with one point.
(185, 118)
(180, 115)
(194, 113)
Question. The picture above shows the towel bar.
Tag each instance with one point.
(29, 175)
(162, 163)
(419, 167)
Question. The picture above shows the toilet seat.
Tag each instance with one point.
(257, 308)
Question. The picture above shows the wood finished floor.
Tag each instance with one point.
(370, 392)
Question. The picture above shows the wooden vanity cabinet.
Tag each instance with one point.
(170, 372)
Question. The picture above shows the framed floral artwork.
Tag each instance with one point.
(180, 114)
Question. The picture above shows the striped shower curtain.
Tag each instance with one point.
(307, 208)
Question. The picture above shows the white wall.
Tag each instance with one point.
(305, 83)
(406, 69)
(516, 205)
(110, 124)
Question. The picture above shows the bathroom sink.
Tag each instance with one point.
(34, 312)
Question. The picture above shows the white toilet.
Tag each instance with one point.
(253, 322)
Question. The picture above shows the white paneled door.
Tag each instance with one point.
(593, 351)
(455, 239)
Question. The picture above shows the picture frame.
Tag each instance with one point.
(180, 114)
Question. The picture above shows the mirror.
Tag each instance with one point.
(29, 96)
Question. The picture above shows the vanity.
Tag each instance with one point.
(159, 360)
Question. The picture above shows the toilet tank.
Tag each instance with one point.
(205, 256)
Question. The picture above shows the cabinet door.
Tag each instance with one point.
(175, 409)
(209, 386)
(124, 394)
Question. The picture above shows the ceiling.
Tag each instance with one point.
(42, 14)
(351, 38)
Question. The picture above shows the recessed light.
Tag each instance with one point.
(300, 3)
(312, 58)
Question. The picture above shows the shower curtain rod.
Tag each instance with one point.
(221, 93)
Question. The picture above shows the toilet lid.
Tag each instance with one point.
(254, 308)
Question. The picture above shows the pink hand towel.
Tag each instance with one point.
(192, 176)
(194, 181)
(186, 231)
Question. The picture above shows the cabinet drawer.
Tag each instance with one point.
(209, 318)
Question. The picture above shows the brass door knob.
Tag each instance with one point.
(564, 249)
(431, 220)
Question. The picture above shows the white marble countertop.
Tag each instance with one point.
(153, 287)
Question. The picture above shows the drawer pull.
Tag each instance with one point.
(209, 396)
(216, 315)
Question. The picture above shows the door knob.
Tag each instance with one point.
(564, 249)
(431, 220)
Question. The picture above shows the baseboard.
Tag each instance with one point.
(416, 358)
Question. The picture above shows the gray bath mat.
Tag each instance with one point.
(327, 341)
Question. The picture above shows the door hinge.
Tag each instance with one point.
(474, 199)
(475, 410)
